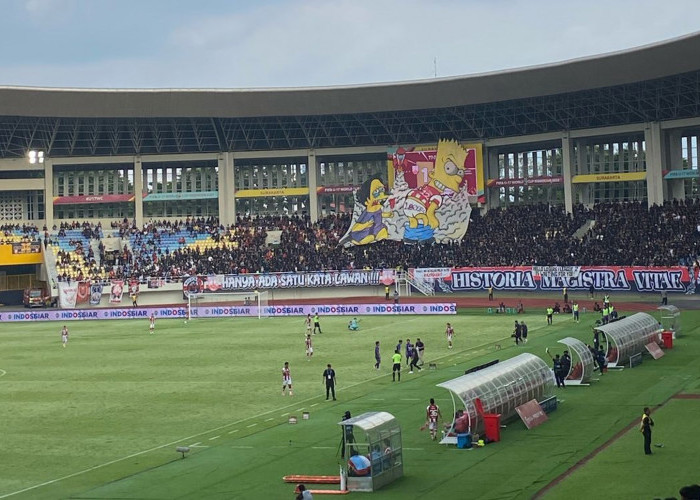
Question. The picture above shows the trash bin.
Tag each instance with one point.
(464, 440)
(667, 338)
(492, 426)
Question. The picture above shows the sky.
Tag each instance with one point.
(312, 43)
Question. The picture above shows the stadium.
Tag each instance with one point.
(228, 216)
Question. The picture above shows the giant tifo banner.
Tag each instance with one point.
(547, 278)
(275, 281)
(431, 188)
(216, 311)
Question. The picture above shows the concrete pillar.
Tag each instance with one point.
(313, 184)
(675, 188)
(654, 163)
(227, 188)
(138, 192)
(586, 195)
(48, 192)
(567, 153)
(491, 171)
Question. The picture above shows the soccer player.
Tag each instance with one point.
(152, 328)
(377, 355)
(432, 413)
(286, 378)
(309, 347)
(317, 324)
(450, 332)
(420, 347)
(352, 325)
(409, 351)
(396, 358)
(64, 335)
(308, 324)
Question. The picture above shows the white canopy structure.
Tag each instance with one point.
(501, 388)
(377, 436)
(581, 368)
(670, 319)
(628, 336)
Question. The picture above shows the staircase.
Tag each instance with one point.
(51, 270)
(407, 282)
(95, 245)
(585, 228)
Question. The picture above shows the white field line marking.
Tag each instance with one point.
(171, 443)
(251, 425)
(412, 449)
(376, 399)
(314, 405)
(269, 419)
(3, 372)
(324, 448)
(284, 414)
(300, 409)
(213, 438)
(199, 446)
(236, 430)
(410, 399)
(195, 444)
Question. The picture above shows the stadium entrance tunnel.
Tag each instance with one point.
(627, 337)
(581, 368)
(501, 388)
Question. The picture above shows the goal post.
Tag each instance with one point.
(256, 300)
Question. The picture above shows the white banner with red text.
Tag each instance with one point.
(549, 278)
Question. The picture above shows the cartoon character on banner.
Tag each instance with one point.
(422, 203)
(369, 226)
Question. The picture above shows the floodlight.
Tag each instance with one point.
(35, 156)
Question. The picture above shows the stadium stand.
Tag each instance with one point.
(622, 234)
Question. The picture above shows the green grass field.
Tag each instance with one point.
(102, 418)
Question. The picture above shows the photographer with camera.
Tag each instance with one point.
(347, 437)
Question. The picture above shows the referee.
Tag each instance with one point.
(396, 359)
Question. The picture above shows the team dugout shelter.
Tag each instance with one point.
(627, 337)
(501, 388)
(619, 126)
(374, 450)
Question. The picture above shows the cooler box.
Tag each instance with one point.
(464, 440)
(492, 426)
(667, 338)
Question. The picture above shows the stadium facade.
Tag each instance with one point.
(620, 126)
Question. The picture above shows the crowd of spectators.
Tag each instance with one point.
(625, 233)
(14, 233)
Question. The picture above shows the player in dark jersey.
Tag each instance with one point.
(377, 355)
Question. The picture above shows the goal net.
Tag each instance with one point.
(215, 305)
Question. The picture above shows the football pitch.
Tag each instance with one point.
(102, 417)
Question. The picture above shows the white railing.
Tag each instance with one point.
(407, 281)
(422, 287)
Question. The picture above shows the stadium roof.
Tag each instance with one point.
(654, 82)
